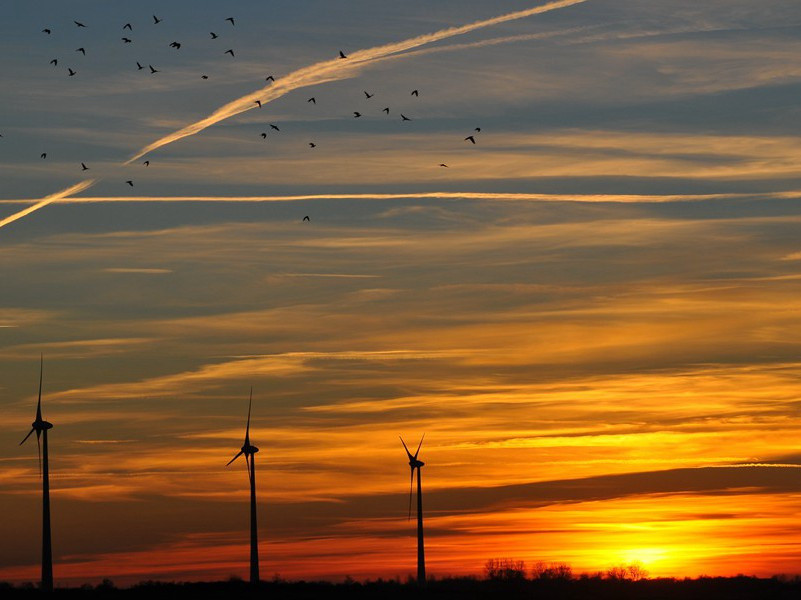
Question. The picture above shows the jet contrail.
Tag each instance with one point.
(441, 195)
(336, 69)
(73, 189)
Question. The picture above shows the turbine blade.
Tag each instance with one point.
(405, 448)
(248, 462)
(411, 487)
(26, 437)
(39, 403)
(247, 429)
(419, 445)
(235, 457)
(39, 448)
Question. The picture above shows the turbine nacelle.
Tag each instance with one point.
(41, 425)
(416, 464)
(248, 449)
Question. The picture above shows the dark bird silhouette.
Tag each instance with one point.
(477, 129)
(342, 54)
(231, 19)
(213, 35)
(386, 110)
(204, 76)
(264, 136)
(79, 24)
(47, 31)
(259, 103)
(274, 127)
(313, 100)
(306, 218)
(405, 118)
(470, 138)
(175, 45)
(126, 40)
(128, 27)
(368, 96)
(84, 167)
(443, 165)
(356, 114)
(146, 163)
(270, 78)
(152, 70)
(44, 155)
(71, 72)
(139, 66)
(81, 50)
(156, 20)
(415, 93)
(229, 51)
(54, 62)
(312, 145)
(129, 182)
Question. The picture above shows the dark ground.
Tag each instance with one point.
(730, 588)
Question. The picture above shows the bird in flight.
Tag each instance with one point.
(139, 66)
(313, 100)
(386, 110)
(81, 50)
(342, 54)
(443, 165)
(229, 51)
(231, 19)
(79, 24)
(84, 167)
(46, 30)
(152, 70)
(126, 40)
(259, 103)
(274, 127)
(264, 136)
(71, 72)
(368, 95)
(270, 78)
(356, 114)
(470, 138)
(213, 35)
(405, 118)
(156, 20)
(146, 163)
(44, 154)
(312, 145)
(54, 62)
(477, 129)
(204, 76)
(129, 182)
(306, 218)
(175, 45)
(415, 93)
(128, 27)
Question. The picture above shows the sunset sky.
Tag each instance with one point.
(593, 313)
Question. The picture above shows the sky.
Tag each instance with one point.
(592, 312)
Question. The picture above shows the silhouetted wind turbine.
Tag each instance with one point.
(250, 460)
(416, 464)
(40, 426)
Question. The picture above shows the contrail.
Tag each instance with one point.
(499, 196)
(336, 69)
(73, 189)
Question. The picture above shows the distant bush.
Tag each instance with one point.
(552, 571)
(505, 569)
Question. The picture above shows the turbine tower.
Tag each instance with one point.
(40, 426)
(416, 464)
(250, 460)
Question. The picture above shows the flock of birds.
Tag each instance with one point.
(128, 27)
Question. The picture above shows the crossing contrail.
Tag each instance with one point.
(336, 69)
(73, 189)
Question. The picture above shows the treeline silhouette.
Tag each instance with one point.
(503, 578)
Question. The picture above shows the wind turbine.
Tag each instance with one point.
(250, 460)
(40, 426)
(416, 464)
